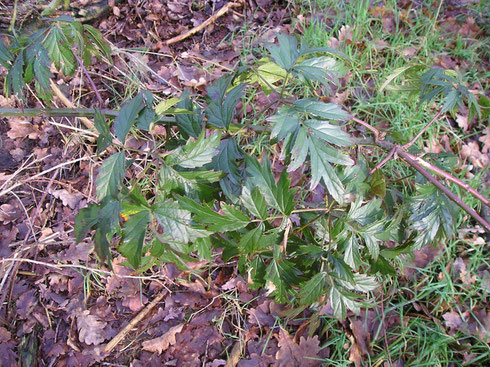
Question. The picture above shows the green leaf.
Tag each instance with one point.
(6, 56)
(286, 121)
(321, 169)
(260, 175)
(134, 231)
(313, 289)
(127, 117)
(16, 76)
(232, 218)
(331, 133)
(96, 36)
(299, 151)
(249, 243)
(226, 162)
(59, 51)
(190, 123)
(177, 222)
(220, 113)
(282, 275)
(204, 248)
(284, 195)
(104, 140)
(165, 105)
(110, 176)
(286, 53)
(337, 302)
(323, 110)
(85, 220)
(352, 256)
(195, 153)
(254, 202)
(321, 69)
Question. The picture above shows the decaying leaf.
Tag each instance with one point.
(161, 343)
(291, 354)
(90, 328)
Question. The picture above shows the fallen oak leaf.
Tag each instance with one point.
(162, 343)
(90, 328)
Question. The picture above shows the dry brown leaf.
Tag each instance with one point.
(485, 139)
(360, 343)
(90, 328)
(70, 199)
(161, 343)
(20, 128)
(452, 319)
(462, 121)
(291, 354)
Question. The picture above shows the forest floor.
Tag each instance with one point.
(59, 307)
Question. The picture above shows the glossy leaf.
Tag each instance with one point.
(195, 153)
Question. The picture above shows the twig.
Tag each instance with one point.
(203, 25)
(407, 157)
(410, 143)
(367, 126)
(88, 124)
(6, 191)
(91, 82)
(450, 178)
(383, 162)
(122, 334)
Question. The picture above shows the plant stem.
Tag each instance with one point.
(411, 142)
(408, 158)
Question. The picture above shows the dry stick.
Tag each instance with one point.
(88, 124)
(410, 143)
(450, 178)
(441, 187)
(122, 334)
(203, 25)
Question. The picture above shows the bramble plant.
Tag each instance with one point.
(223, 182)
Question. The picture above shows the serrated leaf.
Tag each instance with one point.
(330, 111)
(204, 248)
(232, 218)
(41, 67)
(321, 69)
(221, 114)
(85, 220)
(321, 169)
(16, 76)
(195, 153)
(351, 255)
(127, 117)
(364, 214)
(190, 123)
(110, 176)
(331, 133)
(6, 56)
(176, 222)
(249, 242)
(104, 139)
(299, 151)
(260, 175)
(337, 303)
(282, 274)
(286, 53)
(286, 121)
(59, 51)
(165, 105)
(134, 231)
(284, 195)
(254, 201)
(313, 289)
(96, 36)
